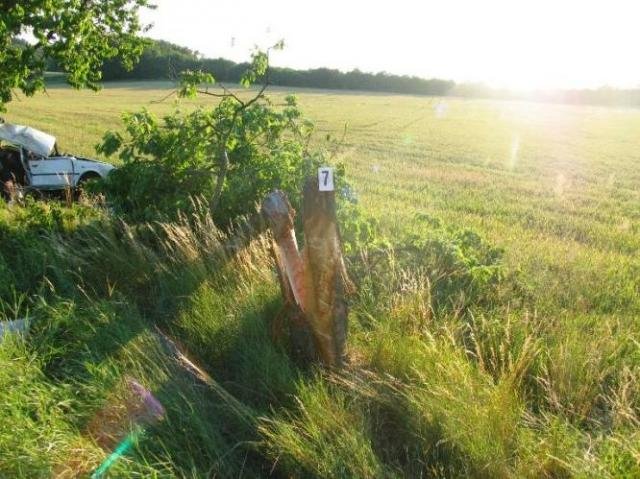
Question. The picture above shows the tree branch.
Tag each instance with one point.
(169, 95)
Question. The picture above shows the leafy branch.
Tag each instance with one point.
(191, 86)
(251, 146)
(75, 36)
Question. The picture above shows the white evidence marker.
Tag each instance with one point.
(325, 178)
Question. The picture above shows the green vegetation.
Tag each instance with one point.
(75, 36)
(210, 152)
(493, 332)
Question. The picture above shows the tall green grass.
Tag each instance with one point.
(432, 389)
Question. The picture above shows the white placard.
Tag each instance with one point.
(325, 178)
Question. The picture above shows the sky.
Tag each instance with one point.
(517, 44)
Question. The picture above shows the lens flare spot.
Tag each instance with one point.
(561, 184)
(441, 108)
(625, 225)
(515, 151)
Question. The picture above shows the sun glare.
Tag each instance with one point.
(519, 45)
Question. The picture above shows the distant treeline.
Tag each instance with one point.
(605, 96)
(164, 61)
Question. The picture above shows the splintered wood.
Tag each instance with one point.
(313, 282)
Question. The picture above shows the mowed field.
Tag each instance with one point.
(557, 186)
(536, 374)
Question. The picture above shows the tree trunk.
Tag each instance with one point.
(222, 176)
(326, 305)
(313, 283)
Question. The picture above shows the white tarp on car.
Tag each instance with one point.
(29, 138)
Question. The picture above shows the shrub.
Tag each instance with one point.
(459, 266)
(232, 153)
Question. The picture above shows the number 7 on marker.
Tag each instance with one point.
(325, 178)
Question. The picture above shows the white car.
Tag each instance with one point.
(30, 159)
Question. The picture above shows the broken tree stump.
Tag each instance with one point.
(313, 282)
(279, 215)
(324, 272)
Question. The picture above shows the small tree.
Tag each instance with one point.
(233, 152)
(76, 34)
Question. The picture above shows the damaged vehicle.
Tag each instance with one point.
(30, 161)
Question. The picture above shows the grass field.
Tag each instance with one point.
(539, 381)
(557, 186)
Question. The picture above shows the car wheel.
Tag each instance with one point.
(82, 182)
(33, 193)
